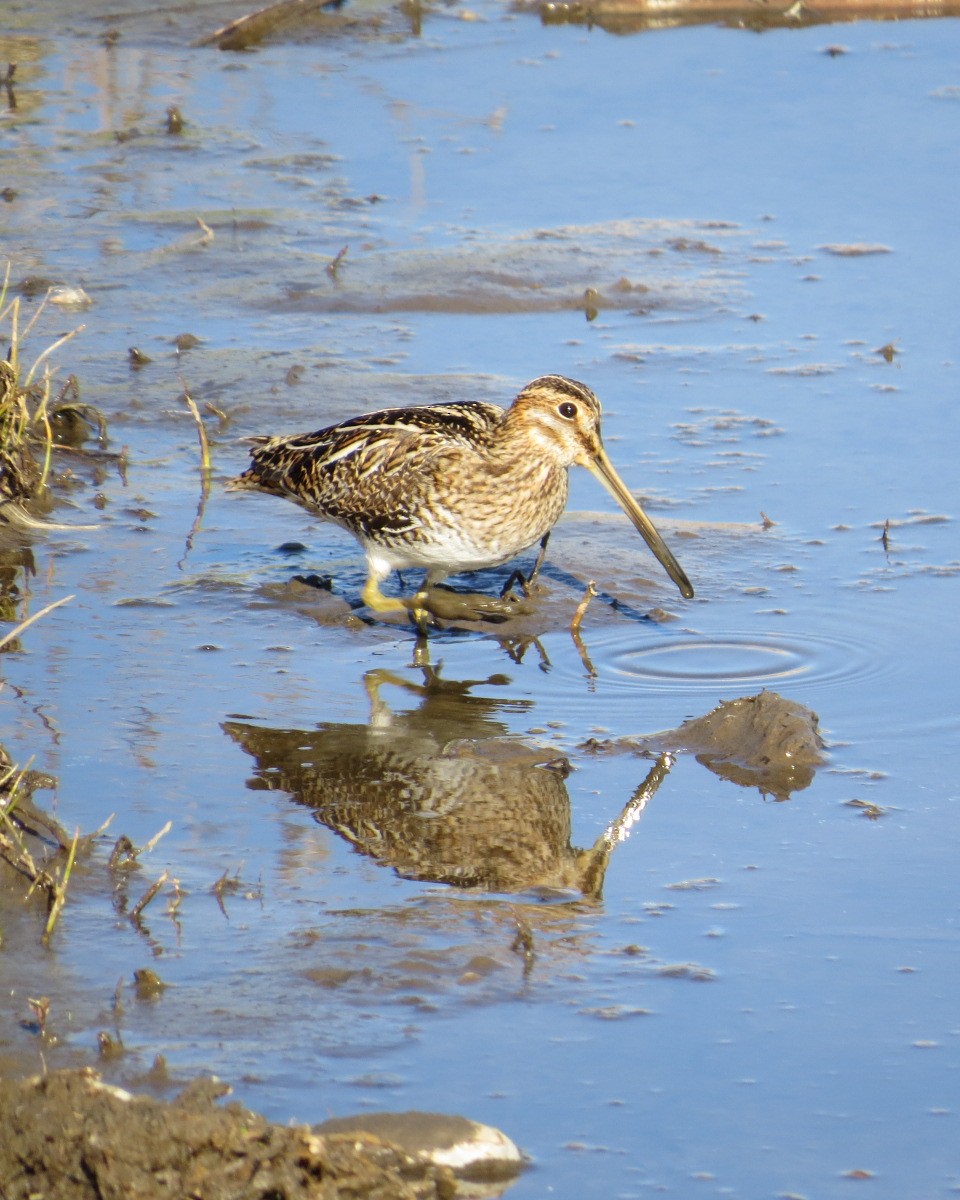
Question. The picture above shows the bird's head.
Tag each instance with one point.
(562, 418)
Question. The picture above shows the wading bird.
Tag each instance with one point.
(450, 487)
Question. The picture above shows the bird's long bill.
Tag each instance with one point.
(603, 469)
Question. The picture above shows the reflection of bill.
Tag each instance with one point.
(438, 793)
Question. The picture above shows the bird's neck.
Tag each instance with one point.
(522, 437)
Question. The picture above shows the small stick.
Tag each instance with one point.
(582, 607)
(201, 432)
(15, 633)
(123, 854)
(148, 846)
(218, 889)
(523, 945)
(49, 350)
(205, 473)
(175, 900)
(60, 889)
(147, 896)
(41, 1010)
(333, 266)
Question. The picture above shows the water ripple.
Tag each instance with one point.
(694, 662)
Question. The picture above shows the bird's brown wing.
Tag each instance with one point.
(364, 472)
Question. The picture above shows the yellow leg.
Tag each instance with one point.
(375, 599)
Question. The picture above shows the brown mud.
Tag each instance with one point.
(68, 1136)
(765, 741)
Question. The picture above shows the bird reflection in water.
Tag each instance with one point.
(439, 793)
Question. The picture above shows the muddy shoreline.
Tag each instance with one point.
(69, 1136)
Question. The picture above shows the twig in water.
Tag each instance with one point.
(582, 608)
(148, 846)
(7, 83)
(522, 944)
(123, 854)
(333, 266)
(224, 884)
(205, 471)
(148, 895)
(41, 1010)
(59, 891)
(201, 434)
(15, 633)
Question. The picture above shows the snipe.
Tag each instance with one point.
(450, 487)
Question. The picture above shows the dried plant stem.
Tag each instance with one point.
(60, 889)
(148, 895)
(15, 633)
(49, 350)
(148, 846)
(13, 848)
(201, 434)
(582, 608)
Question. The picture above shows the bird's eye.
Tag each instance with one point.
(567, 410)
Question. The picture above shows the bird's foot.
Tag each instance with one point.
(526, 583)
(464, 606)
(519, 582)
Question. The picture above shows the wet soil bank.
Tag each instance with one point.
(69, 1136)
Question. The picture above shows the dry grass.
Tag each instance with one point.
(27, 408)
(35, 845)
(22, 824)
(12, 634)
(18, 820)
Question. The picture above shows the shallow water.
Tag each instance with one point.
(762, 999)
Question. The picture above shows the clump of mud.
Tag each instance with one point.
(68, 1136)
(764, 741)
